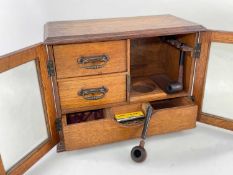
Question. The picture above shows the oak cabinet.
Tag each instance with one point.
(70, 86)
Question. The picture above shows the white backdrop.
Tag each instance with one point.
(22, 21)
(22, 25)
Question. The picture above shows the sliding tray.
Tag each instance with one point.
(101, 127)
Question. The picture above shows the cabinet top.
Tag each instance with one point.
(64, 32)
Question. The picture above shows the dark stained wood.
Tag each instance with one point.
(37, 53)
(63, 32)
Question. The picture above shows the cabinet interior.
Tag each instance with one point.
(85, 116)
(154, 64)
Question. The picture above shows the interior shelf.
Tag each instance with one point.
(145, 89)
(152, 88)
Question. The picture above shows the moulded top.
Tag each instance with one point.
(65, 32)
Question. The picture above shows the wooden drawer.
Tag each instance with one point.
(168, 116)
(76, 93)
(90, 58)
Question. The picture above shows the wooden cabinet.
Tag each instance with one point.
(95, 69)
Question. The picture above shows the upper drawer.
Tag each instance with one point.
(90, 58)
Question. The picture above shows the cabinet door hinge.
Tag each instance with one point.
(50, 67)
(197, 50)
(58, 124)
(192, 98)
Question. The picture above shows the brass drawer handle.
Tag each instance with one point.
(93, 94)
(93, 62)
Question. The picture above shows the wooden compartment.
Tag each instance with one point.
(74, 91)
(153, 60)
(90, 58)
(169, 116)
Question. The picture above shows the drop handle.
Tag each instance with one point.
(93, 62)
(94, 93)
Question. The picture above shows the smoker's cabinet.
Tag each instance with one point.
(90, 70)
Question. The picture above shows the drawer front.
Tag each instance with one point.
(103, 131)
(90, 58)
(92, 91)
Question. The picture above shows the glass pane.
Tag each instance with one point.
(22, 119)
(218, 95)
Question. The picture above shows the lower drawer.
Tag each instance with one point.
(168, 116)
(89, 92)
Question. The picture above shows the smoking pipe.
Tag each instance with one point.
(178, 85)
(138, 153)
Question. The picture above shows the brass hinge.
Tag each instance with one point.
(192, 98)
(50, 67)
(197, 50)
(58, 124)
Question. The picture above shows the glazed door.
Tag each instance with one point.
(27, 110)
(213, 89)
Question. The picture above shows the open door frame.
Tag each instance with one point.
(200, 78)
(37, 53)
(2, 170)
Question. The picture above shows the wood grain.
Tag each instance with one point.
(66, 57)
(217, 121)
(156, 93)
(107, 130)
(54, 82)
(201, 69)
(2, 170)
(47, 91)
(62, 32)
(190, 40)
(222, 36)
(17, 58)
(199, 86)
(148, 57)
(38, 54)
(153, 57)
(69, 89)
(172, 103)
(110, 112)
(56, 98)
